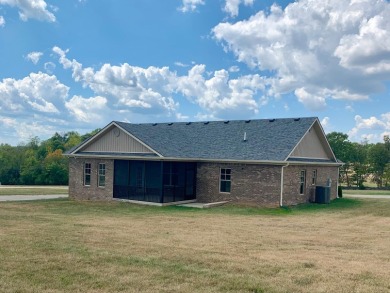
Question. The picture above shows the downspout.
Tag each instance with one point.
(281, 184)
(338, 179)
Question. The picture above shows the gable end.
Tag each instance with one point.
(313, 145)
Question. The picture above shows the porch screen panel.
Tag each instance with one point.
(153, 178)
(178, 181)
(121, 179)
(190, 181)
(137, 180)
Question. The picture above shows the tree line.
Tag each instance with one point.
(363, 162)
(38, 162)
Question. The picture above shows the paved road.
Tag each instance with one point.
(366, 196)
(30, 197)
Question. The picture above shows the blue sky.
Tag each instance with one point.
(79, 64)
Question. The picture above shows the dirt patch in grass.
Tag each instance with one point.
(114, 247)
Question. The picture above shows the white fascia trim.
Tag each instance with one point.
(222, 161)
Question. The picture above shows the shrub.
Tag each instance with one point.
(340, 191)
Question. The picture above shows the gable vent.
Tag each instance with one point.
(272, 120)
(226, 122)
(297, 119)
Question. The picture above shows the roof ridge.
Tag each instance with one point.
(226, 121)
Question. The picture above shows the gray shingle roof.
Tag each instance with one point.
(266, 140)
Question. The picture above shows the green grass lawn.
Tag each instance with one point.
(32, 190)
(366, 192)
(67, 246)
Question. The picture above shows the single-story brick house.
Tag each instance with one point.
(265, 162)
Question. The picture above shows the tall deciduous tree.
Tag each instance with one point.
(378, 157)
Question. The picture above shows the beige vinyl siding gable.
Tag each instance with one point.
(116, 140)
(311, 146)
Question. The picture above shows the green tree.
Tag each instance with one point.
(386, 175)
(31, 169)
(342, 148)
(10, 164)
(378, 157)
(55, 168)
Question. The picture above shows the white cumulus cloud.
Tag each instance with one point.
(87, 109)
(232, 6)
(34, 57)
(371, 128)
(220, 95)
(190, 5)
(31, 9)
(336, 49)
(2, 21)
(153, 90)
(36, 93)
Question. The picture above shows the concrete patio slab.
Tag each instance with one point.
(199, 205)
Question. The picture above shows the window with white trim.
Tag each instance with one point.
(87, 174)
(225, 180)
(102, 175)
(302, 182)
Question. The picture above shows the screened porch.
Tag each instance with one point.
(153, 181)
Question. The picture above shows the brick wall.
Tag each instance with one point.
(260, 184)
(77, 190)
(257, 185)
(250, 184)
(291, 192)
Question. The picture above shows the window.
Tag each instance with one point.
(302, 182)
(225, 180)
(87, 174)
(314, 178)
(102, 175)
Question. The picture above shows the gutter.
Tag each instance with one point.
(280, 163)
(282, 183)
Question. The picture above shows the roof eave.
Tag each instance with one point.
(202, 160)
